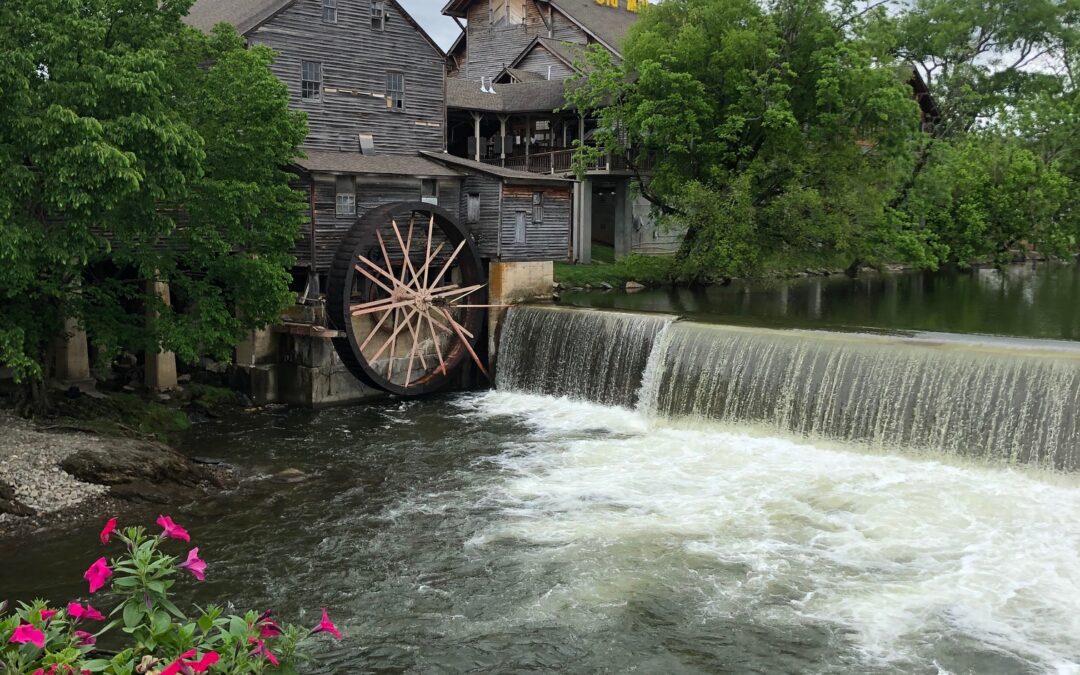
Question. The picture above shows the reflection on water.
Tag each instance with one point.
(505, 532)
(1023, 300)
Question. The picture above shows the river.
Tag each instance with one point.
(522, 530)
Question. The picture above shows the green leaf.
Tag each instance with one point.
(95, 665)
(133, 614)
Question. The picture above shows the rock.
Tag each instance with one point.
(184, 379)
(634, 287)
(588, 287)
(556, 297)
(210, 461)
(129, 388)
(9, 504)
(605, 285)
(245, 400)
(289, 476)
(556, 286)
(127, 462)
(212, 366)
(577, 288)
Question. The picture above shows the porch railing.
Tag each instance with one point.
(562, 161)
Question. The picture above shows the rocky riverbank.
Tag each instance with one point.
(52, 473)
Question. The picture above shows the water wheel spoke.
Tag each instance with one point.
(397, 331)
(449, 262)
(360, 310)
(435, 339)
(460, 293)
(406, 250)
(482, 306)
(385, 255)
(450, 330)
(427, 257)
(374, 279)
(393, 343)
(375, 330)
(465, 341)
(416, 335)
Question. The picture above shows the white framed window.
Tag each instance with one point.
(472, 211)
(329, 11)
(310, 80)
(345, 196)
(429, 191)
(378, 14)
(395, 91)
(538, 207)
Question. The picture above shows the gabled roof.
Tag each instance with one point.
(508, 175)
(514, 75)
(331, 161)
(566, 52)
(542, 96)
(608, 25)
(247, 15)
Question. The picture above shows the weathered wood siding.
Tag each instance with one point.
(566, 30)
(355, 60)
(371, 191)
(485, 232)
(540, 59)
(549, 240)
(490, 48)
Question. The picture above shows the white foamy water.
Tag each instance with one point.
(898, 562)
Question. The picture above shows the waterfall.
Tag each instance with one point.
(595, 356)
(998, 400)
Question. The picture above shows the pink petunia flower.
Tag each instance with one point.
(326, 626)
(172, 530)
(97, 574)
(107, 531)
(85, 639)
(25, 634)
(194, 564)
(77, 612)
(200, 666)
(261, 648)
(47, 614)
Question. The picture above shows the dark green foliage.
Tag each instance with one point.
(133, 148)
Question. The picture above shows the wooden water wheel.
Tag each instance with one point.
(407, 289)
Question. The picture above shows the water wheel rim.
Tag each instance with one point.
(399, 293)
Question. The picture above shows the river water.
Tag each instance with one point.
(525, 530)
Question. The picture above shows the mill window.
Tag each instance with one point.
(346, 196)
(378, 14)
(310, 80)
(538, 207)
(329, 11)
(395, 91)
(429, 191)
(519, 227)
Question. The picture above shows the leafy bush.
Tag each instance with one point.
(37, 639)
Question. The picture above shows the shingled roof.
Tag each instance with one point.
(357, 163)
(509, 175)
(542, 96)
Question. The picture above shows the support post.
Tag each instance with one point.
(502, 139)
(476, 132)
(624, 219)
(72, 365)
(160, 367)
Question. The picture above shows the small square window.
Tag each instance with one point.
(378, 14)
(395, 91)
(310, 80)
(346, 196)
(429, 191)
(329, 11)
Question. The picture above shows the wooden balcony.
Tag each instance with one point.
(559, 162)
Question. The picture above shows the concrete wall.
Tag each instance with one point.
(511, 283)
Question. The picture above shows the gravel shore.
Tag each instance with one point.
(30, 465)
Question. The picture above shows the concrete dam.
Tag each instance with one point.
(999, 400)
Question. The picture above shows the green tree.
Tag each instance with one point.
(773, 130)
(135, 148)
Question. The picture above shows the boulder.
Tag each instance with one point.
(9, 504)
(634, 287)
(140, 471)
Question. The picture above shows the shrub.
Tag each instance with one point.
(161, 639)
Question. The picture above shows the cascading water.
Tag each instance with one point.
(991, 400)
(595, 356)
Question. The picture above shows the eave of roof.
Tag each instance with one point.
(509, 175)
(330, 161)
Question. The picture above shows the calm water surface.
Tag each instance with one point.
(1039, 301)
